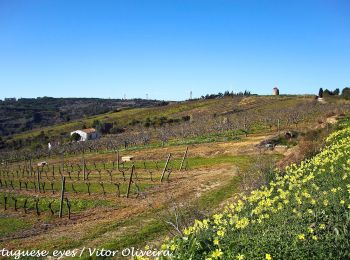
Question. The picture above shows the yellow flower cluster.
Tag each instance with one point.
(296, 189)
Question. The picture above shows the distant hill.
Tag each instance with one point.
(139, 122)
(24, 114)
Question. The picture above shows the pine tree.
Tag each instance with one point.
(320, 93)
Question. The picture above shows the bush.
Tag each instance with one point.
(346, 93)
(117, 130)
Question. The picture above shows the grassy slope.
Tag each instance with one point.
(175, 110)
(302, 214)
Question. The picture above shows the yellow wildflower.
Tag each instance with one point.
(217, 253)
(301, 237)
(220, 233)
(242, 223)
(216, 241)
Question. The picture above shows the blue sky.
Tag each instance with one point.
(168, 48)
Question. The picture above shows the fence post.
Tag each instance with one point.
(38, 179)
(69, 206)
(130, 180)
(165, 167)
(62, 195)
(118, 160)
(30, 167)
(183, 159)
(62, 162)
(84, 168)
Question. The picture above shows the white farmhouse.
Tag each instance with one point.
(86, 134)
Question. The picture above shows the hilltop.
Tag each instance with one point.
(138, 122)
(24, 114)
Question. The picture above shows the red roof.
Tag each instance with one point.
(89, 130)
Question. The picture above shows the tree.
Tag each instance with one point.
(97, 125)
(327, 92)
(331, 93)
(346, 93)
(320, 93)
(37, 117)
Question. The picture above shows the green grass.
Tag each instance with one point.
(138, 237)
(9, 225)
(216, 196)
(77, 205)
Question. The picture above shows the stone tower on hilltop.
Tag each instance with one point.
(275, 91)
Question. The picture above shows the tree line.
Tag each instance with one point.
(345, 93)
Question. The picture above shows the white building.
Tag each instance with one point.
(86, 134)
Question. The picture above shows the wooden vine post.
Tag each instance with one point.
(38, 179)
(118, 160)
(69, 206)
(30, 167)
(62, 161)
(84, 167)
(130, 180)
(183, 158)
(62, 196)
(165, 167)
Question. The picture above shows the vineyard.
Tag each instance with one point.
(46, 188)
